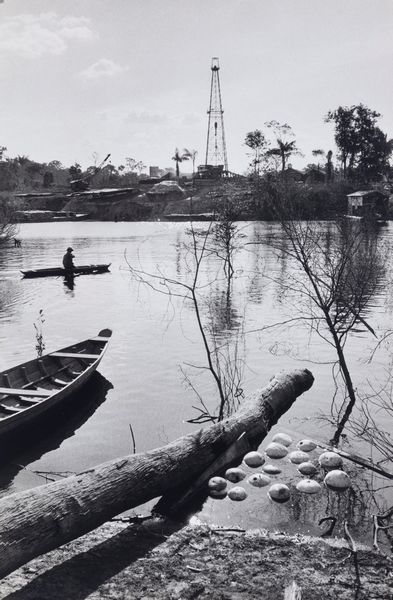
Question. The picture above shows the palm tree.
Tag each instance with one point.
(318, 153)
(284, 150)
(191, 154)
(178, 157)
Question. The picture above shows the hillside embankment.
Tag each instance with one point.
(168, 200)
(151, 204)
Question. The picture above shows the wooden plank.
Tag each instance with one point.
(74, 355)
(59, 381)
(25, 392)
(11, 409)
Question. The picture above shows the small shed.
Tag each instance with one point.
(370, 203)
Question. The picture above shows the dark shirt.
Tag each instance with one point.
(68, 263)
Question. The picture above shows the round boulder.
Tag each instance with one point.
(235, 474)
(307, 468)
(337, 480)
(259, 480)
(218, 494)
(308, 486)
(254, 459)
(282, 438)
(279, 492)
(297, 457)
(271, 469)
(237, 493)
(217, 483)
(330, 460)
(306, 445)
(276, 450)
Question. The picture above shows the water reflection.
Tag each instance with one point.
(51, 432)
(69, 283)
(224, 317)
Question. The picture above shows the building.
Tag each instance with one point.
(368, 203)
(154, 172)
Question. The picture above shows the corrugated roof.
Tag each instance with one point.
(361, 193)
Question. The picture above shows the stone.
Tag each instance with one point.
(307, 468)
(330, 460)
(254, 459)
(279, 492)
(308, 486)
(297, 457)
(237, 493)
(217, 483)
(282, 438)
(259, 480)
(306, 445)
(218, 494)
(235, 474)
(275, 450)
(271, 469)
(337, 480)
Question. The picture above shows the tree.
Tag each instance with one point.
(75, 170)
(8, 227)
(285, 145)
(257, 142)
(3, 149)
(227, 235)
(134, 165)
(340, 270)
(329, 166)
(55, 164)
(318, 153)
(192, 154)
(178, 157)
(364, 148)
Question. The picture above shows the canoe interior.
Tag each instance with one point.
(51, 375)
(57, 271)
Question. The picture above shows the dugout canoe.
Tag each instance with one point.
(31, 390)
(58, 271)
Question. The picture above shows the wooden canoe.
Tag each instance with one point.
(58, 271)
(32, 389)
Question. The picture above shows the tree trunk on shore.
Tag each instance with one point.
(38, 520)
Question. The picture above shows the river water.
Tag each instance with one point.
(145, 376)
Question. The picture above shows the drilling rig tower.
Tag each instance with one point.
(216, 153)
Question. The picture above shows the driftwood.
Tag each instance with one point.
(177, 499)
(38, 520)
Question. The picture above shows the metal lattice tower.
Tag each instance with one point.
(216, 151)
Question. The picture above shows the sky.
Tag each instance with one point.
(84, 78)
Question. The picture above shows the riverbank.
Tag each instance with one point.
(169, 200)
(157, 560)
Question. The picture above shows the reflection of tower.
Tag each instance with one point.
(216, 152)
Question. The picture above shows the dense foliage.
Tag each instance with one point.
(364, 149)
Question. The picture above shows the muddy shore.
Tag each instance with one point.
(165, 561)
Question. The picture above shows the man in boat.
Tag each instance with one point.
(68, 262)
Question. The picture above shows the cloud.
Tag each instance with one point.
(33, 36)
(102, 69)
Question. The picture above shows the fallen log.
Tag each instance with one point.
(38, 520)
